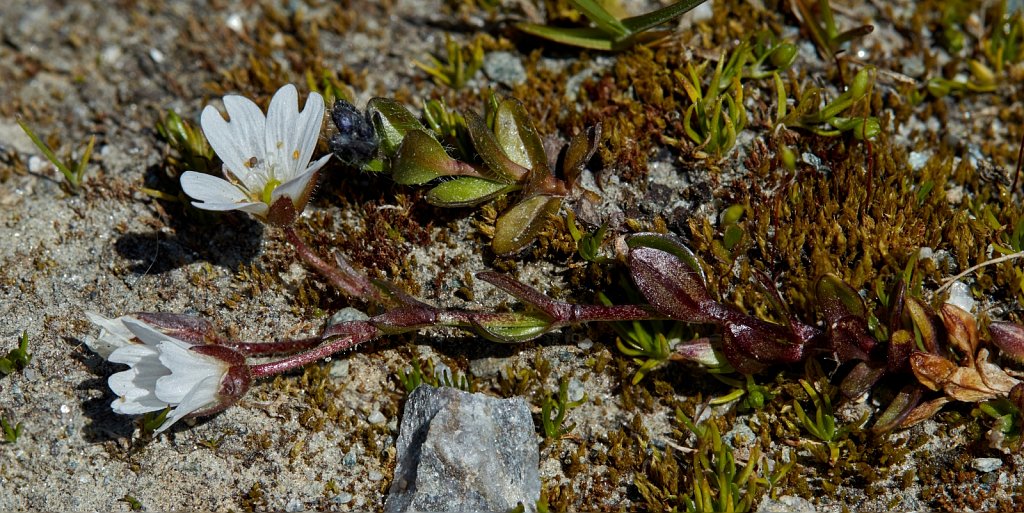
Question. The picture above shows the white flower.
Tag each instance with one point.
(266, 159)
(165, 371)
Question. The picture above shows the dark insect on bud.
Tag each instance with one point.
(356, 141)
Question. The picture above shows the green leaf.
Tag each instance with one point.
(490, 151)
(514, 327)
(583, 37)
(466, 191)
(519, 225)
(518, 137)
(392, 121)
(604, 20)
(836, 299)
(420, 159)
(652, 19)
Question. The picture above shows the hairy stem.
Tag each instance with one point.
(345, 279)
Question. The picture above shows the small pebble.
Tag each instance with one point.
(986, 464)
(350, 459)
(376, 418)
(339, 369)
(585, 344)
(960, 296)
(342, 498)
(375, 476)
(575, 390)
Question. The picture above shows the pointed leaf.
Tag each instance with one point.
(601, 17)
(925, 321)
(583, 37)
(493, 156)
(923, 412)
(664, 15)
(673, 287)
(861, 379)
(466, 191)
(514, 327)
(961, 330)
(836, 299)
(421, 159)
(519, 225)
(898, 410)
(669, 244)
(391, 120)
(1009, 338)
(525, 293)
(580, 150)
(517, 136)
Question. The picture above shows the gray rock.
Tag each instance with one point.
(505, 68)
(464, 452)
(786, 504)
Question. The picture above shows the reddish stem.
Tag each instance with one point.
(348, 281)
(280, 347)
(293, 362)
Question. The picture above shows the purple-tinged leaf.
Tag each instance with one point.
(901, 344)
(837, 300)
(849, 339)
(761, 341)
(861, 379)
(669, 244)
(1009, 338)
(700, 351)
(526, 294)
(673, 287)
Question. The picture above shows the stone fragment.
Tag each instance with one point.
(464, 452)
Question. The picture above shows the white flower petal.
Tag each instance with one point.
(218, 194)
(203, 395)
(239, 140)
(282, 116)
(134, 387)
(293, 188)
(292, 135)
(187, 368)
(211, 189)
(113, 335)
(132, 354)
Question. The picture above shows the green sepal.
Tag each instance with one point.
(392, 121)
